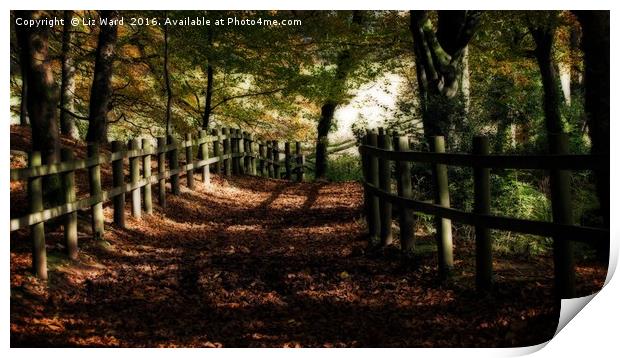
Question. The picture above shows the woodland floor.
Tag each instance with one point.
(252, 262)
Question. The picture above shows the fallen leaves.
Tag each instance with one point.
(269, 263)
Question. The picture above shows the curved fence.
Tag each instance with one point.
(232, 152)
(380, 150)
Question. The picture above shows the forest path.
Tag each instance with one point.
(256, 262)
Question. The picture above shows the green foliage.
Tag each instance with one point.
(515, 196)
(343, 167)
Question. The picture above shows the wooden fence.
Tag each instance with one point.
(379, 151)
(232, 152)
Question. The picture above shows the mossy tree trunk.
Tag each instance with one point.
(439, 59)
(67, 84)
(596, 47)
(543, 35)
(101, 90)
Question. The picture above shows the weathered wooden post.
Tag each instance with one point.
(276, 159)
(287, 160)
(234, 149)
(482, 205)
(146, 172)
(251, 146)
(68, 179)
(269, 159)
(217, 152)
(37, 231)
(94, 178)
(442, 197)
(227, 152)
(403, 185)
(246, 152)
(161, 170)
(134, 174)
(189, 160)
(374, 214)
(203, 149)
(385, 170)
(300, 162)
(241, 151)
(562, 209)
(118, 180)
(173, 163)
(261, 158)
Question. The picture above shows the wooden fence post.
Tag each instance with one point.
(251, 146)
(203, 149)
(300, 162)
(189, 160)
(385, 170)
(276, 159)
(261, 158)
(246, 150)
(287, 160)
(442, 197)
(563, 260)
(217, 152)
(241, 151)
(118, 180)
(269, 159)
(134, 174)
(94, 178)
(37, 231)
(146, 171)
(374, 215)
(482, 205)
(234, 149)
(227, 164)
(161, 170)
(173, 163)
(68, 179)
(403, 183)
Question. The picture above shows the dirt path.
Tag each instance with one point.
(255, 262)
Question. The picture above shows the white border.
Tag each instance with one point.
(592, 332)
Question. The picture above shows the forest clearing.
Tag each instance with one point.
(309, 179)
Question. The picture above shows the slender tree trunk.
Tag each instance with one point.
(209, 95)
(209, 91)
(101, 90)
(325, 123)
(543, 37)
(596, 47)
(344, 65)
(67, 85)
(168, 88)
(22, 41)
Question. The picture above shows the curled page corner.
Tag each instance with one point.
(570, 308)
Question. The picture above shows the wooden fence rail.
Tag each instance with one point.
(377, 156)
(232, 151)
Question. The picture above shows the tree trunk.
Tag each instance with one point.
(101, 90)
(67, 85)
(543, 37)
(209, 95)
(209, 92)
(596, 47)
(325, 123)
(344, 65)
(22, 41)
(439, 59)
(40, 99)
(168, 88)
